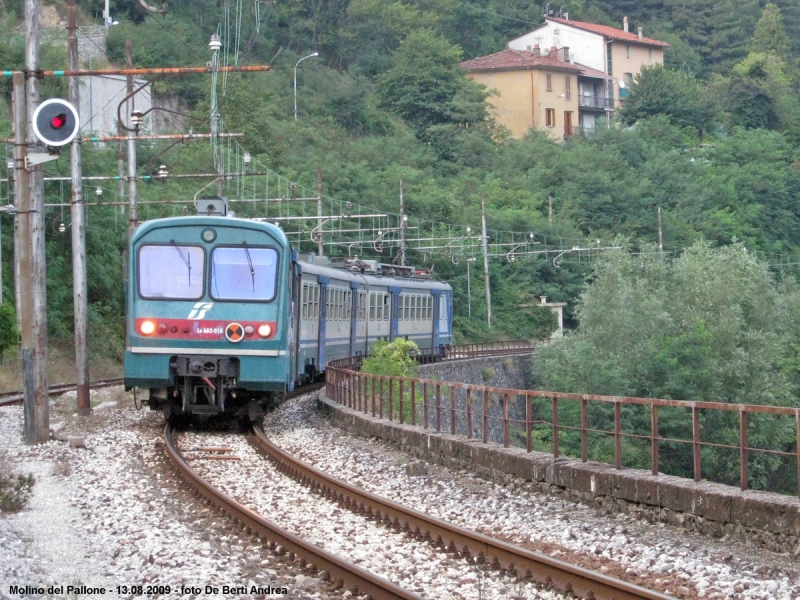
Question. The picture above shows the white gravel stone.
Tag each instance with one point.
(657, 553)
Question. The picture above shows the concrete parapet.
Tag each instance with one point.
(769, 520)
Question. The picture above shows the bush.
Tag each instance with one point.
(15, 492)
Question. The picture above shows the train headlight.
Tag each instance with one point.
(264, 330)
(147, 327)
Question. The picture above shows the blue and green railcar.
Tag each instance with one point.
(223, 317)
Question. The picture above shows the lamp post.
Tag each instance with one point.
(295, 80)
(469, 288)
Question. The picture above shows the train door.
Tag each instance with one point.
(323, 321)
(394, 313)
(354, 296)
(296, 285)
(436, 294)
(444, 316)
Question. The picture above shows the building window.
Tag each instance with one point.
(568, 88)
(649, 55)
(609, 70)
(550, 117)
(628, 51)
(549, 82)
(567, 123)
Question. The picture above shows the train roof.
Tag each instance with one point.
(372, 274)
(210, 221)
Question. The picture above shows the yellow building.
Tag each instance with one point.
(618, 53)
(534, 90)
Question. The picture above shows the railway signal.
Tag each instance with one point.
(55, 122)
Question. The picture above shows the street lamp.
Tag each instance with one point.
(295, 80)
(469, 287)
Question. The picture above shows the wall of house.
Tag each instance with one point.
(640, 56)
(512, 106)
(544, 99)
(523, 97)
(585, 48)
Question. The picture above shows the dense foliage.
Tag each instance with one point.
(711, 325)
(711, 140)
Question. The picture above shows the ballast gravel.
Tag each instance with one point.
(113, 513)
(683, 564)
(414, 565)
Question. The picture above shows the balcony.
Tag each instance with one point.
(599, 102)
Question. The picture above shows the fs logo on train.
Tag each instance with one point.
(199, 311)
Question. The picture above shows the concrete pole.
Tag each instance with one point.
(550, 211)
(320, 241)
(12, 181)
(37, 224)
(486, 261)
(22, 248)
(402, 228)
(77, 212)
(660, 232)
(133, 206)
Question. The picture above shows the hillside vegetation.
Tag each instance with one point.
(712, 139)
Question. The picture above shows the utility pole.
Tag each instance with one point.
(133, 210)
(77, 212)
(402, 228)
(37, 239)
(485, 239)
(23, 259)
(660, 233)
(320, 241)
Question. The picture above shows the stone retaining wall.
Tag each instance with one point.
(769, 520)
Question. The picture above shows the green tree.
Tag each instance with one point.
(770, 35)
(424, 81)
(8, 328)
(674, 94)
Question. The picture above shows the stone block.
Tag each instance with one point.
(647, 490)
(676, 494)
(759, 511)
(623, 485)
(563, 472)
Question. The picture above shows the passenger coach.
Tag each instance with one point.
(223, 316)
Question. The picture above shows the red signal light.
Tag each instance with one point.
(58, 121)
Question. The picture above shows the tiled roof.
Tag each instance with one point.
(590, 72)
(516, 59)
(609, 32)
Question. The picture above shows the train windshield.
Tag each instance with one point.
(171, 272)
(243, 273)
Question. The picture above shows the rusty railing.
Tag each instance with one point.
(514, 417)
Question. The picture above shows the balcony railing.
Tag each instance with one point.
(596, 102)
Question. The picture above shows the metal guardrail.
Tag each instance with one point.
(420, 401)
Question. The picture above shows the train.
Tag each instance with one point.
(224, 317)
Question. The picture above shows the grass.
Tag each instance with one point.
(60, 368)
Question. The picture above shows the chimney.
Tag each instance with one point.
(625, 24)
(640, 33)
(553, 52)
(536, 50)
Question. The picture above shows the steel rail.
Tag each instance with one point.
(471, 545)
(8, 398)
(339, 569)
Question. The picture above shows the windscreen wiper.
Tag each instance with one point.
(250, 262)
(187, 260)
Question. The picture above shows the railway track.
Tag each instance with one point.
(357, 579)
(8, 398)
(473, 547)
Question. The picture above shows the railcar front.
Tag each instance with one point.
(209, 315)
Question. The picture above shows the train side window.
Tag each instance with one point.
(430, 308)
(304, 302)
(362, 302)
(316, 302)
(372, 307)
(379, 307)
(417, 307)
(386, 307)
(405, 307)
(348, 305)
